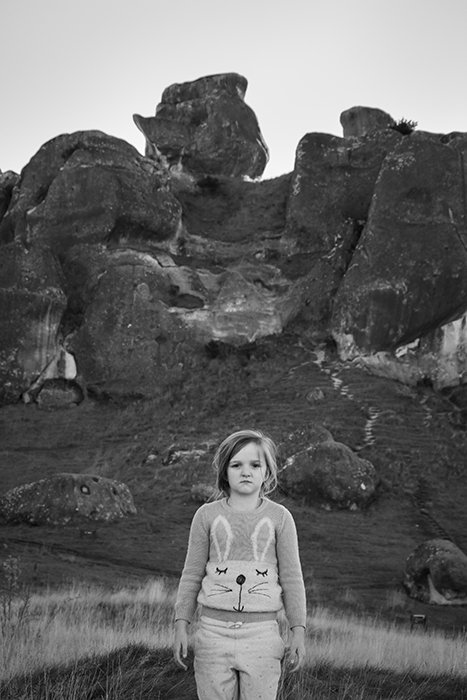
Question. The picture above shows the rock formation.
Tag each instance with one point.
(89, 187)
(119, 269)
(32, 304)
(206, 127)
(7, 182)
(436, 573)
(66, 499)
(359, 121)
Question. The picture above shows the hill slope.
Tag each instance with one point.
(350, 559)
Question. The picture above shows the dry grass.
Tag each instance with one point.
(85, 642)
(61, 627)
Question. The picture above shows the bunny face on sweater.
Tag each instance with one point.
(248, 584)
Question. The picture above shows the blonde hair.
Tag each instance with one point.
(233, 444)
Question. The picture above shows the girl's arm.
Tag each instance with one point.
(194, 567)
(190, 583)
(293, 589)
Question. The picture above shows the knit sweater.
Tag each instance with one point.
(243, 562)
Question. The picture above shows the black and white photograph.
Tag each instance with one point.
(233, 350)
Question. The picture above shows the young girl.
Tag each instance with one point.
(242, 566)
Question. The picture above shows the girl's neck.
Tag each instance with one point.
(244, 503)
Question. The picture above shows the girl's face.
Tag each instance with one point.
(246, 471)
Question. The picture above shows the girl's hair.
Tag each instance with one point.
(233, 444)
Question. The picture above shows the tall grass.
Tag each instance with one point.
(64, 626)
(87, 643)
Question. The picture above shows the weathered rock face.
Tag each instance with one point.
(206, 126)
(32, 303)
(251, 301)
(128, 336)
(7, 182)
(331, 190)
(359, 121)
(440, 356)
(436, 573)
(408, 274)
(333, 181)
(88, 186)
(329, 473)
(67, 498)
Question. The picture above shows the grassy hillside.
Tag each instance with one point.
(351, 560)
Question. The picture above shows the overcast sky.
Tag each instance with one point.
(69, 65)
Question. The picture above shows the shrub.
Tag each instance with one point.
(404, 126)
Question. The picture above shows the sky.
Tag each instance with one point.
(71, 65)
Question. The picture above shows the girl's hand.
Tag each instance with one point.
(296, 651)
(180, 647)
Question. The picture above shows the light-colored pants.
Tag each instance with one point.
(235, 661)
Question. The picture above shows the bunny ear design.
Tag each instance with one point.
(262, 536)
(222, 537)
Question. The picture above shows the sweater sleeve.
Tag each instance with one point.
(194, 567)
(290, 572)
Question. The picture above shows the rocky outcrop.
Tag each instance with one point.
(360, 121)
(436, 573)
(206, 127)
(65, 499)
(32, 303)
(129, 341)
(440, 356)
(330, 194)
(7, 182)
(330, 474)
(143, 261)
(250, 301)
(408, 274)
(90, 187)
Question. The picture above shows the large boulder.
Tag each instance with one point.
(32, 303)
(408, 274)
(333, 181)
(359, 121)
(90, 187)
(330, 194)
(128, 340)
(331, 474)
(67, 498)
(436, 573)
(59, 393)
(205, 126)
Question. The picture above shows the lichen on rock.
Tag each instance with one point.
(65, 499)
